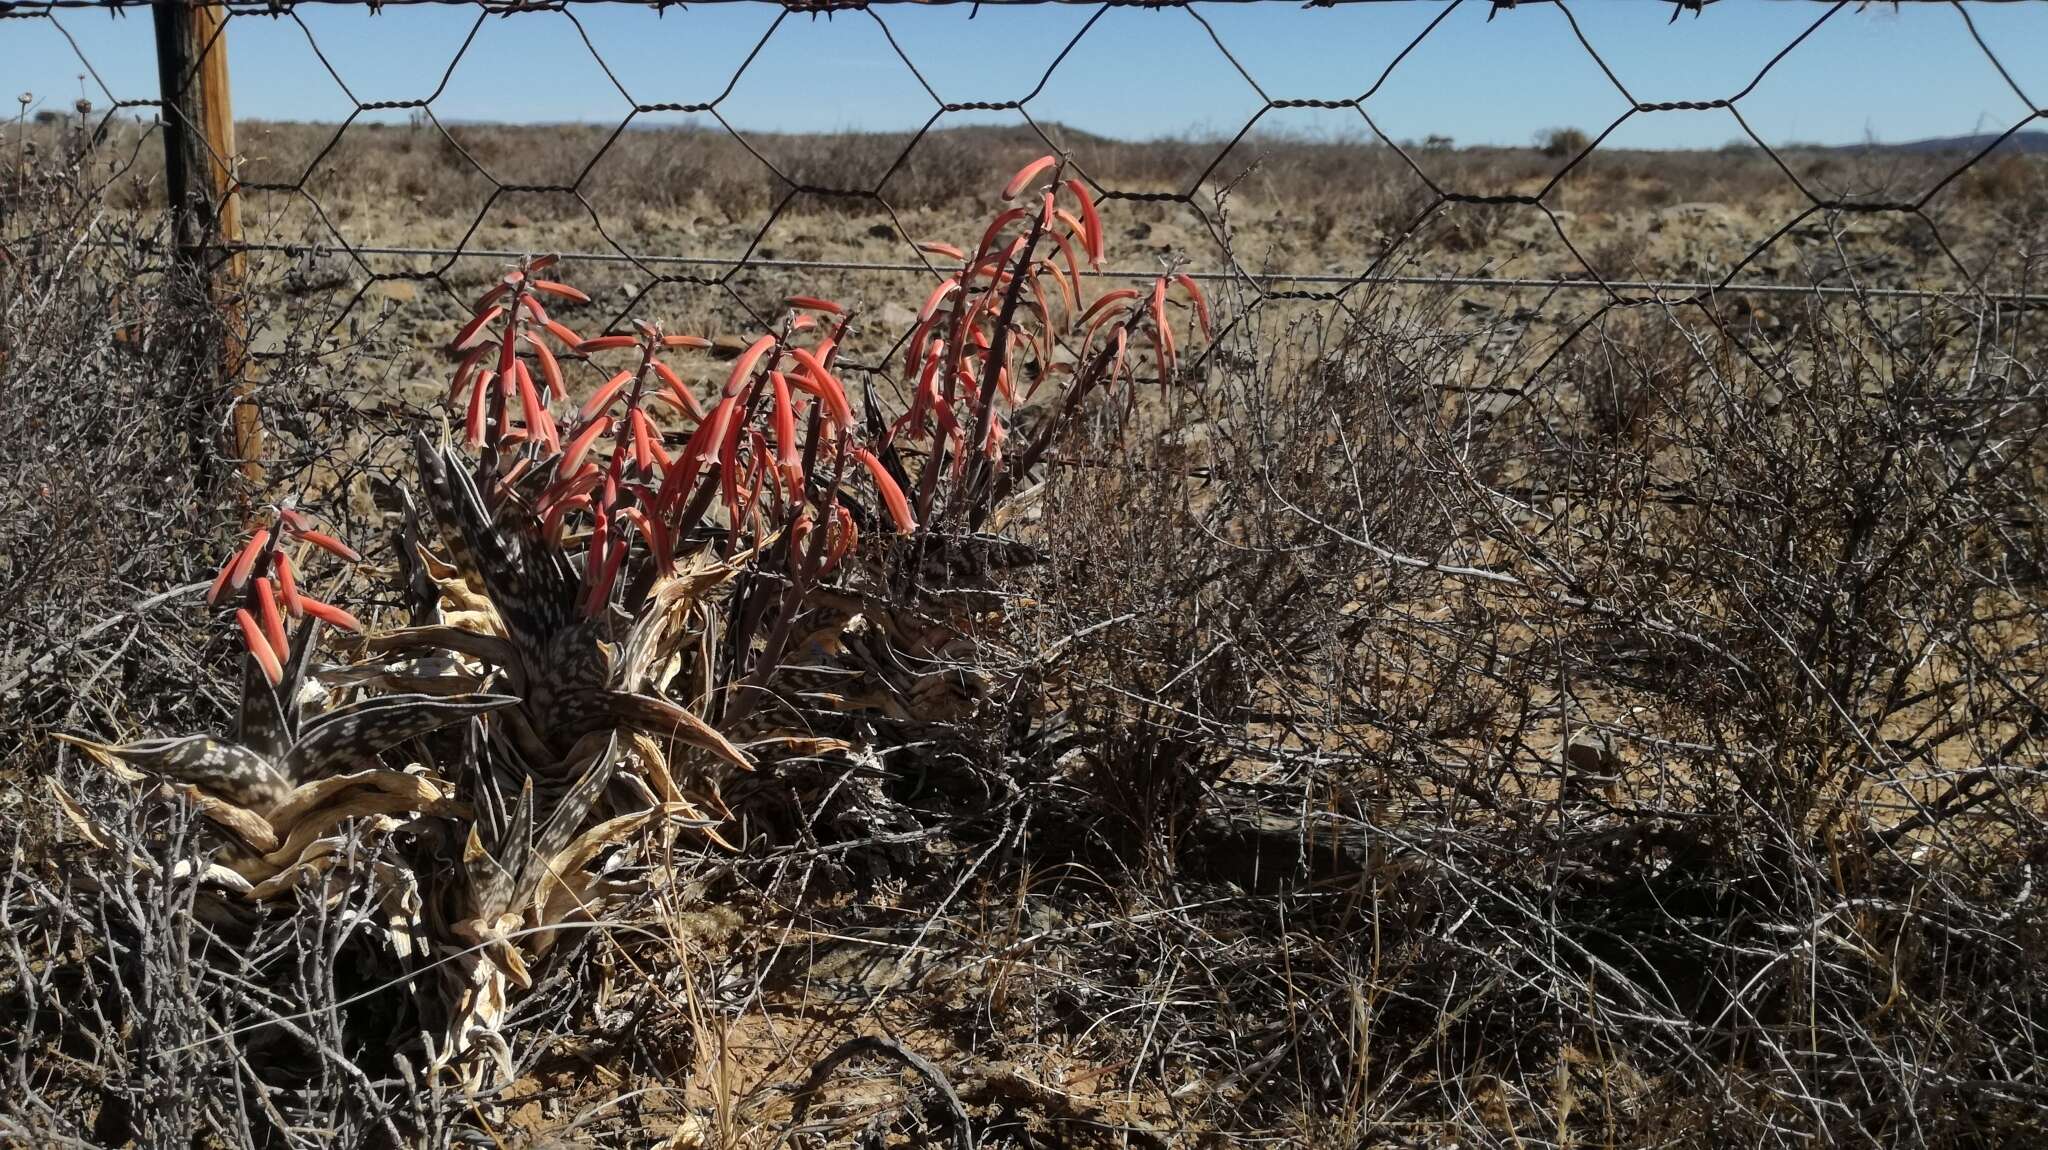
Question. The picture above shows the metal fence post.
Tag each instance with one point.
(204, 195)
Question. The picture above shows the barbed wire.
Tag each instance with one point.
(371, 266)
(1649, 290)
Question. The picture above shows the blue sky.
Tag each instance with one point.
(1876, 73)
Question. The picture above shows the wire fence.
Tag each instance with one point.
(1443, 200)
(1654, 755)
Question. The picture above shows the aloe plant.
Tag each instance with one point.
(608, 607)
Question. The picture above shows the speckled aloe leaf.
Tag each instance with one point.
(363, 730)
(269, 716)
(530, 588)
(226, 769)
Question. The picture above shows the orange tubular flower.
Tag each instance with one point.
(1026, 174)
(259, 646)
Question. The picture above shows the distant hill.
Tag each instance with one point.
(2020, 143)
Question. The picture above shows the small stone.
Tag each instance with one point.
(1589, 753)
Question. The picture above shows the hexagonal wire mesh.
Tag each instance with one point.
(471, 157)
(318, 234)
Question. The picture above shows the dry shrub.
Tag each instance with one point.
(1559, 143)
(1703, 599)
(100, 350)
(1601, 761)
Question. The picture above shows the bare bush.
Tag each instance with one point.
(1558, 143)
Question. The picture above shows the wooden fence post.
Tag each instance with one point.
(204, 194)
